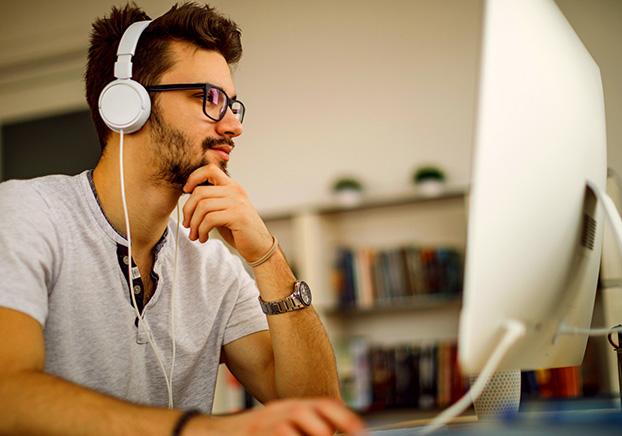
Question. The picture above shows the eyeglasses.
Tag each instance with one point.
(215, 100)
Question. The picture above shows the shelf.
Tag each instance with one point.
(421, 302)
(392, 201)
(278, 216)
(610, 283)
(371, 202)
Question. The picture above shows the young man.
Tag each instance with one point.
(76, 358)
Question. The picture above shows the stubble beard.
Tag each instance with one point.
(172, 153)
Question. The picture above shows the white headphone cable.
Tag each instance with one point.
(141, 321)
(174, 288)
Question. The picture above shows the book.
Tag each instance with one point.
(366, 277)
(383, 378)
(406, 381)
(364, 280)
(428, 387)
(354, 372)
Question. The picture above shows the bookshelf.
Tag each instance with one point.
(382, 224)
(310, 237)
(405, 305)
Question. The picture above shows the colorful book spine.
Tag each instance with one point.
(366, 277)
(554, 383)
(421, 377)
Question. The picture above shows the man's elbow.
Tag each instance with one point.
(335, 393)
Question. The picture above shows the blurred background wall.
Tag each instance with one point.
(365, 88)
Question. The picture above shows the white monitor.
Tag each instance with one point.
(535, 227)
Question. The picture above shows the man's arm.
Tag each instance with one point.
(304, 361)
(32, 402)
(293, 359)
(298, 360)
(35, 403)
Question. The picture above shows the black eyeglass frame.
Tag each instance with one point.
(205, 87)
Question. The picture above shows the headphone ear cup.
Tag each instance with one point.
(124, 104)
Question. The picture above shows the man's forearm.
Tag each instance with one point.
(35, 403)
(303, 356)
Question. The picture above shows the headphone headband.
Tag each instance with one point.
(124, 104)
(127, 48)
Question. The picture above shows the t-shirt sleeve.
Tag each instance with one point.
(246, 316)
(28, 241)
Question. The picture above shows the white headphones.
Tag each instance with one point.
(124, 104)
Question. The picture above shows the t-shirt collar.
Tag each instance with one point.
(98, 212)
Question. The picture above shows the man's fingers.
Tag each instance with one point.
(211, 220)
(340, 416)
(202, 193)
(310, 422)
(284, 429)
(203, 208)
(312, 417)
(208, 173)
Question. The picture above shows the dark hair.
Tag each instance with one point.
(189, 22)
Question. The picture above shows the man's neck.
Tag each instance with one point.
(149, 205)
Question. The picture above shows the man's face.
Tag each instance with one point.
(182, 137)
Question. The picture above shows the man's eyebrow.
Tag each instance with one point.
(232, 97)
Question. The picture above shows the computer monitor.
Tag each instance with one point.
(535, 226)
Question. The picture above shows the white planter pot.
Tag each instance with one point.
(430, 188)
(349, 197)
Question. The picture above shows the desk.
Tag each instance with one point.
(579, 422)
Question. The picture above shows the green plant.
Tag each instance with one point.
(428, 173)
(346, 183)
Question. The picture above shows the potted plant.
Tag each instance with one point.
(429, 180)
(348, 191)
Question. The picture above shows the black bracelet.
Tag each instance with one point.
(183, 420)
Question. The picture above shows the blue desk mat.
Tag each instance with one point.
(567, 422)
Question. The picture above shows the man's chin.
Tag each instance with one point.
(222, 164)
(176, 178)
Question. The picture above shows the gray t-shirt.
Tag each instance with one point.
(59, 264)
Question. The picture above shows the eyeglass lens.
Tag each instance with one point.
(216, 105)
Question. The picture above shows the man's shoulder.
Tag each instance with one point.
(38, 200)
(40, 189)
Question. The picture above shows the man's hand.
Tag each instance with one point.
(314, 417)
(226, 207)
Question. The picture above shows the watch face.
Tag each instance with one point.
(305, 293)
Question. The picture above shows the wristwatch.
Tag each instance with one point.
(299, 299)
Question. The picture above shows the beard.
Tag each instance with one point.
(173, 155)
